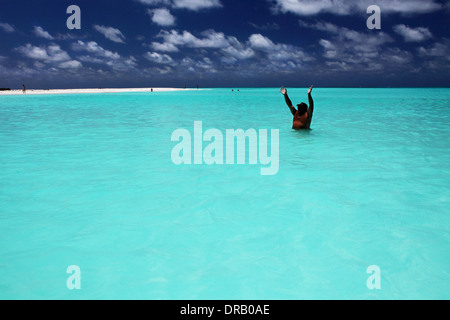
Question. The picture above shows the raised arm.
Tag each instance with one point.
(288, 102)
(311, 103)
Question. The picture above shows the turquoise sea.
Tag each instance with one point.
(88, 180)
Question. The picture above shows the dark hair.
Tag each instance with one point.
(302, 108)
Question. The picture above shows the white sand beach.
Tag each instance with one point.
(87, 91)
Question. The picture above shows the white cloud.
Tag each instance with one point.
(51, 53)
(41, 33)
(327, 44)
(396, 56)
(349, 46)
(111, 33)
(158, 58)
(436, 50)
(72, 64)
(410, 7)
(194, 5)
(330, 49)
(347, 7)
(349, 50)
(162, 17)
(239, 53)
(91, 59)
(32, 52)
(99, 55)
(211, 39)
(6, 27)
(203, 64)
(355, 38)
(164, 47)
(227, 45)
(158, 70)
(258, 41)
(229, 50)
(131, 61)
(309, 7)
(93, 47)
(278, 52)
(155, 2)
(125, 65)
(413, 34)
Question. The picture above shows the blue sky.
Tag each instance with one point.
(224, 43)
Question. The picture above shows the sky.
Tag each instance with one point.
(224, 43)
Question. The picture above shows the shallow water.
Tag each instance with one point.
(88, 180)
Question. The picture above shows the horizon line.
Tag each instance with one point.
(220, 87)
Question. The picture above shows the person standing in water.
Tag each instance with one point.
(302, 116)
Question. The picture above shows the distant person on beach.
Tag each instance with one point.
(302, 116)
(24, 90)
